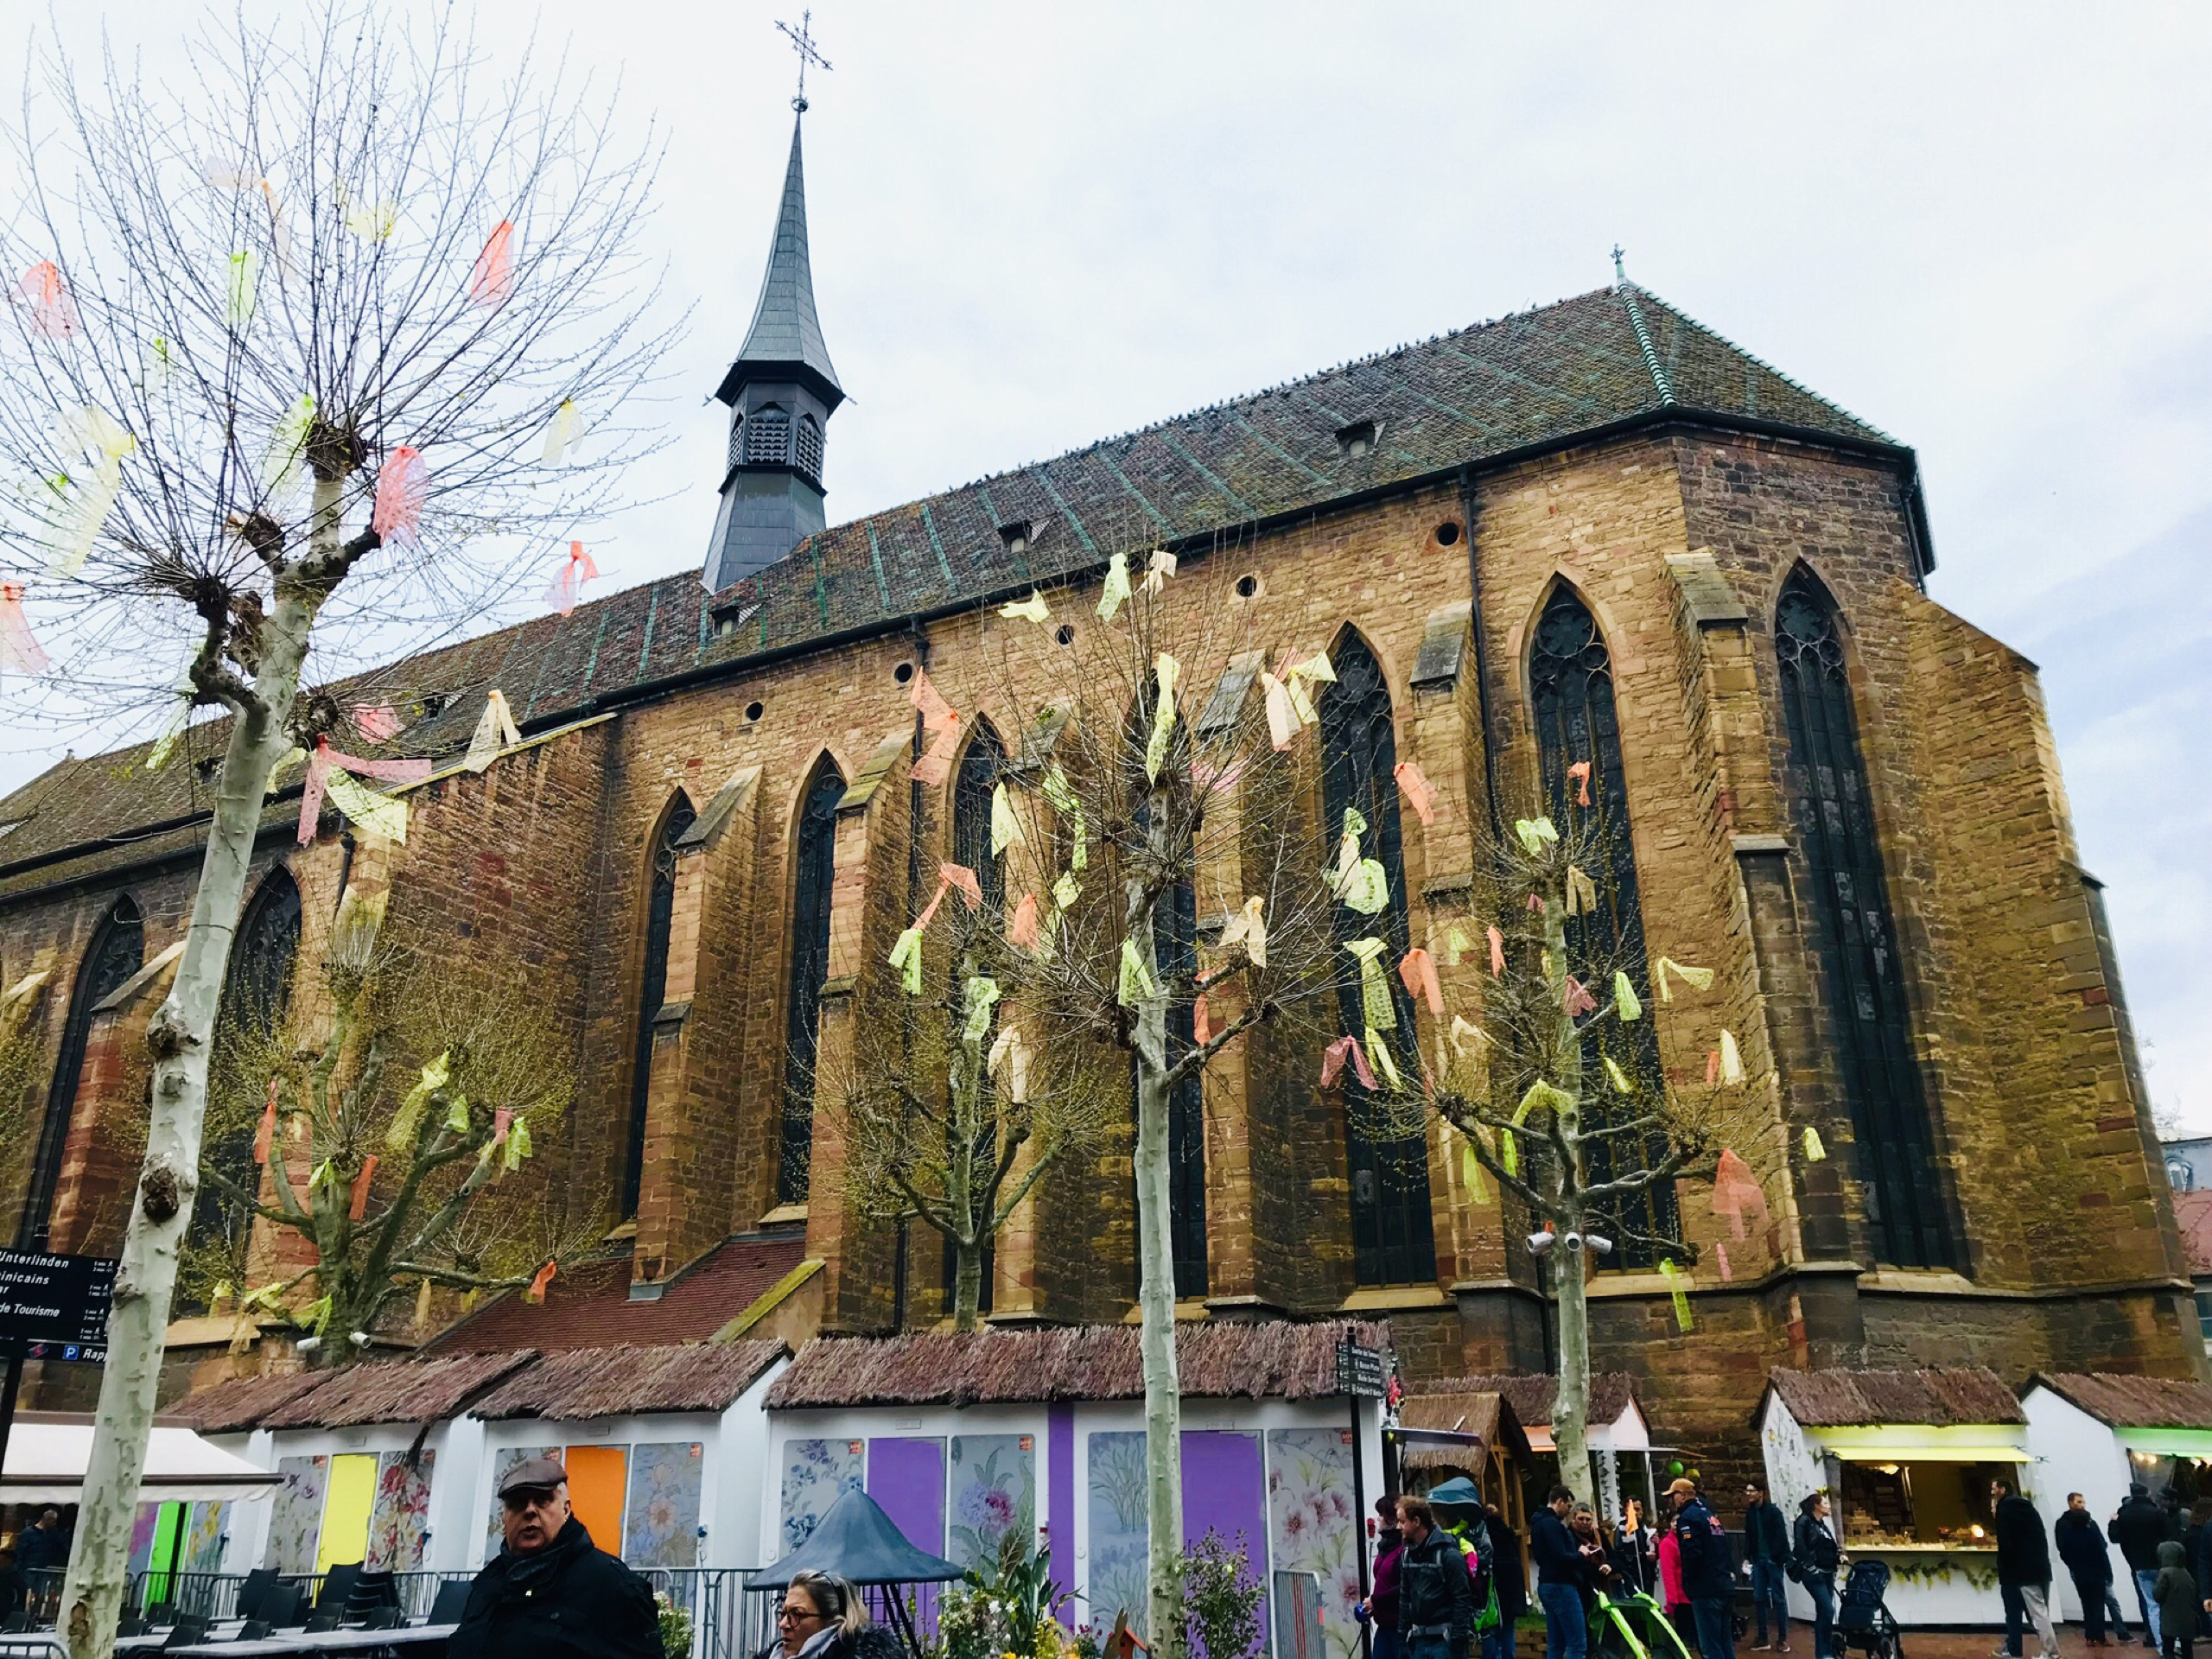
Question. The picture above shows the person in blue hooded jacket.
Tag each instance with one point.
(1708, 1570)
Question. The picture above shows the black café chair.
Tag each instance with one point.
(132, 1624)
(15, 1623)
(373, 1601)
(189, 1629)
(337, 1586)
(451, 1602)
(283, 1605)
(259, 1583)
(160, 1615)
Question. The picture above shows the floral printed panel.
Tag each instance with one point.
(816, 1473)
(297, 1515)
(501, 1462)
(992, 1485)
(402, 1514)
(1118, 1530)
(142, 1539)
(1311, 1524)
(203, 1539)
(663, 1525)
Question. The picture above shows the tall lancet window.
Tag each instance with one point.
(1394, 1240)
(653, 989)
(815, 855)
(256, 989)
(971, 846)
(117, 951)
(1571, 684)
(1908, 1218)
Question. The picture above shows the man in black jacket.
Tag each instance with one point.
(549, 1594)
(2138, 1529)
(1708, 1570)
(1559, 1577)
(1766, 1547)
(1436, 1595)
(2022, 1568)
(2088, 1558)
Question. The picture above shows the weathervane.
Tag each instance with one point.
(803, 42)
(1620, 254)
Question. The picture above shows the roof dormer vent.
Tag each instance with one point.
(1356, 440)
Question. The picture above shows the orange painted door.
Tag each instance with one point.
(598, 1481)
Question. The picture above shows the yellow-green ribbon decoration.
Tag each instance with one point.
(435, 1077)
(518, 1142)
(1509, 1152)
(158, 755)
(243, 278)
(314, 1316)
(457, 1115)
(1136, 982)
(281, 466)
(983, 995)
(1815, 1152)
(1470, 1169)
(1700, 977)
(1534, 833)
(1676, 1288)
(1374, 989)
(1359, 883)
(1621, 1085)
(1540, 1095)
(1031, 609)
(906, 957)
(1066, 891)
(1005, 828)
(1731, 1059)
(1625, 1000)
(1379, 1051)
(1063, 801)
(1581, 892)
(378, 815)
(1118, 586)
(1165, 668)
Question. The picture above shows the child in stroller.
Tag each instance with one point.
(1863, 1621)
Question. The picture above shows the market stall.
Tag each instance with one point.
(1620, 1438)
(1906, 1458)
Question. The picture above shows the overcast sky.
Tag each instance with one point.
(1983, 228)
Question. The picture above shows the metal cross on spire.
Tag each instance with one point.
(1620, 271)
(802, 40)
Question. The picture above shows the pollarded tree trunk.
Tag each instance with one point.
(181, 1036)
(1163, 1395)
(1571, 1400)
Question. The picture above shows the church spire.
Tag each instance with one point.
(781, 391)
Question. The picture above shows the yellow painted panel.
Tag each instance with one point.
(346, 1506)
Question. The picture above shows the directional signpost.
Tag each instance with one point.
(51, 1307)
(1360, 1377)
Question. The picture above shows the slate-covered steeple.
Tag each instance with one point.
(781, 391)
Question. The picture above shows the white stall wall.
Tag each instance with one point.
(2075, 1452)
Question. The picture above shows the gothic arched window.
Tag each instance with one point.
(1394, 1239)
(653, 989)
(1571, 686)
(971, 846)
(1908, 1218)
(256, 988)
(815, 855)
(118, 951)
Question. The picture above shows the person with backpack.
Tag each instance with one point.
(1708, 1570)
(1509, 1587)
(1813, 1557)
(1436, 1593)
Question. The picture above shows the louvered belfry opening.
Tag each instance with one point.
(1571, 687)
(1862, 984)
(1394, 1240)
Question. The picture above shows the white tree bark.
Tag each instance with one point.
(180, 1036)
(1571, 1401)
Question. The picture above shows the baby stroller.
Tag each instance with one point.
(1864, 1620)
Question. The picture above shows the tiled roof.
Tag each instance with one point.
(1542, 379)
(1234, 1359)
(622, 1381)
(590, 1306)
(2134, 1402)
(2193, 1216)
(1855, 1399)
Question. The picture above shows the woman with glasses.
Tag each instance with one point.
(823, 1616)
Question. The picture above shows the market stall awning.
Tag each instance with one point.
(47, 1453)
(1923, 1443)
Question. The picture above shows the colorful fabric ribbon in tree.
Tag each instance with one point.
(1006, 827)
(493, 281)
(358, 1208)
(1157, 569)
(1625, 1005)
(1580, 774)
(20, 651)
(1009, 1062)
(1414, 787)
(1165, 668)
(937, 716)
(288, 442)
(1021, 931)
(379, 815)
(1379, 1049)
(1136, 983)
(1732, 1059)
(1373, 990)
(906, 957)
(1418, 969)
(1467, 1034)
(1496, 954)
(538, 1282)
(53, 313)
(77, 513)
(1118, 586)
(1249, 927)
(1470, 1166)
(981, 996)
(1581, 892)
(568, 584)
(1578, 1002)
(1699, 977)
(376, 721)
(403, 489)
(1031, 609)
(1359, 883)
(1061, 799)
(241, 289)
(1332, 1064)
(562, 432)
(1736, 1191)
(1676, 1288)
(1619, 1077)
(1289, 701)
(408, 1118)
(264, 1133)
(1815, 1152)
(1534, 833)
(495, 730)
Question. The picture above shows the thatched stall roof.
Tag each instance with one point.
(241, 1404)
(1458, 1429)
(410, 1391)
(2133, 1402)
(1233, 1359)
(1856, 1399)
(630, 1381)
(1611, 1393)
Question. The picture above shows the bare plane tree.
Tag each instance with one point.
(296, 357)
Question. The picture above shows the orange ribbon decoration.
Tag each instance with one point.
(537, 1291)
(403, 486)
(569, 581)
(360, 1204)
(494, 279)
(265, 1136)
(1580, 772)
(1418, 969)
(19, 650)
(1418, 794)
(1021, 931)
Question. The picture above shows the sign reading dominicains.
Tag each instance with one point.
(55, 1307)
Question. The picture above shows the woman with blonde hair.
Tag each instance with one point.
(823, 1616)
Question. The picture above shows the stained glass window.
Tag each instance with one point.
(1908, 1218)
(971, 846)
(815, 854)
(256, 989)
(1394, 1240)
(117, 951)
(652, 991)
(1571, 687)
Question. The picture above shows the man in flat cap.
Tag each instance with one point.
(550, 1593)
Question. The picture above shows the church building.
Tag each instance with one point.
(1597, 530)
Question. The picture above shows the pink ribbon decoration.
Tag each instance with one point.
(1496, 954)
(325, 757)
(1418, 969)
(1577, 1000)
(1021, 931)
(1332, 1064)
(1735, 1189)
(938, 715)
(501, 1118)
(1712, 1067)
(1418, 794)
(934, 766)
(18, 650)
(53, 313)
(494, 279)
(1580, 772)
(376, 722)
(402, 488)
(265, 1137)
(943, 887)
(569, 581)
(359, 1207)
(1201, 1021)
(1721, 1255)
(963, 880)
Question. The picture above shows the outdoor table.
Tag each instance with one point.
(299, 1641)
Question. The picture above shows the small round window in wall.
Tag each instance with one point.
(903, 673)
(1447, 533)
(1247, 586)
(753, 711)
(1066, 635)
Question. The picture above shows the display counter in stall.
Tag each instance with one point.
(2097, 1433)
(1906, 1458)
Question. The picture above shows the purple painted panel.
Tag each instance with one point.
(1224, 1490)
(1059, 1506)
(907, 1479)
